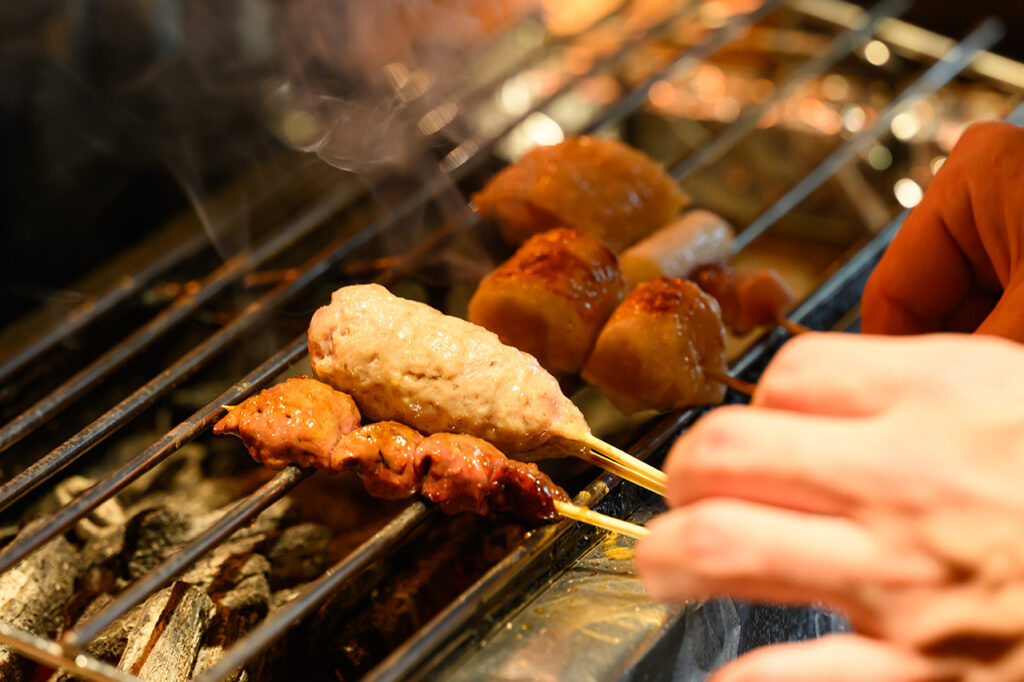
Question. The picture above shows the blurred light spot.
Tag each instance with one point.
(835, 87)
(727, 109)
(714, 13)
(579, 60)
(854, 119)
(908, 192)
(515, 96)
(299, 128)
(905, 126)
(529, 34)
(661, 94)
(762, 89)
(876, 52)
(542, 129)
(880, 157)
(460, 155)
(936, 163)
(437, 118)
(398, 75)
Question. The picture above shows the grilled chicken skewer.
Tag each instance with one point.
(304, 422)
(551, 298)
(696, 246)
(600, 187)
(663, 348)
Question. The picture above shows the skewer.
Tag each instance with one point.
(625, 465)
(794, 328)
(584, 515)
(732, 382)
(655, 484)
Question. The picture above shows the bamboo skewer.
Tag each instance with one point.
(655, 484)
(627, 466)
(589, 516)
(794, 328)
(732, 382)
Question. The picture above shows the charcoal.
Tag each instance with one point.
(109, 645)
(299, 554)
(170, 629)
(150, 538)
(99, 521)
(33, 595)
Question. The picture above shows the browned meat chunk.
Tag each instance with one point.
(295, 422)
(462, 473)
(600, 187)
(653, 351)
(405, 361)
(747, 299)
(551, 298)
(383, 455)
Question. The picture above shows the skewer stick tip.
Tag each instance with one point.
(589, 516)
(625, 465)
(715, 374)
(794, 328)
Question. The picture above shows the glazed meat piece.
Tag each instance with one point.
(383, 454)
(653, 351)
(600, 187)
(676, 250)
(294, 422)
(551, 298)
(462, 473)
(405, 361)
(747, 299)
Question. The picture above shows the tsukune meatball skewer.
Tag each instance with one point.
(404, 361)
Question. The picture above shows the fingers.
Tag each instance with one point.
(1007, 318)
(850, 375)
(751, 551)
(954, 239)
(798, 461)
(838, 658)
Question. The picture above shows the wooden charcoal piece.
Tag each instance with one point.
(299, 554)
(171, 628)
(33, 595)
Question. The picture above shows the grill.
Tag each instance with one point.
(327, 233)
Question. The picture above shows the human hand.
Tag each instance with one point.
(956, 263)
(881, 476)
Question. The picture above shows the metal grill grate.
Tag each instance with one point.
(544, 551)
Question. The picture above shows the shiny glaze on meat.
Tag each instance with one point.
(294, 422)
(461, 473)
(551, 297)
(383, 454)
(651, 353)
(747, 299)
(600, 187)
(405, 361)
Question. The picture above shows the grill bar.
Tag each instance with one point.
(276, 488)
(348, 568)
(149, 458)
(176, 313)
(936, 76)
(841, 46)
(49, 653)
(128, 286)
(95, 308)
